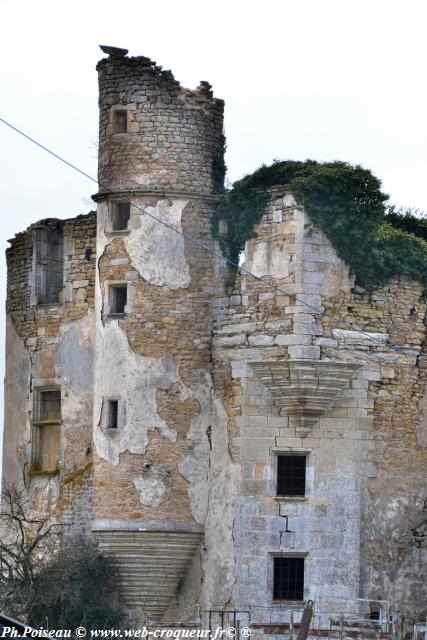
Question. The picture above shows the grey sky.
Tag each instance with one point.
(325, 79)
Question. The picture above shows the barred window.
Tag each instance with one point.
(288, 578)
(291, 471)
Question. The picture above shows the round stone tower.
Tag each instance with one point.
(161, 152)
(154, 134)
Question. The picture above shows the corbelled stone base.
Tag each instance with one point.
(151, 563)
(306, 388)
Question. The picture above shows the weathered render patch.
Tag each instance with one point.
(156, 252)
(134, 379)
(17, 389)
(195, 467)
(400, 551)
(267, 259)
(151, 490)
(224, 479)
(74, 360)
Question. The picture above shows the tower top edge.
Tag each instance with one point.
(117, 57)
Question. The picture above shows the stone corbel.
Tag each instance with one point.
(305, 388)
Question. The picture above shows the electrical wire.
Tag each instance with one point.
(195, 242)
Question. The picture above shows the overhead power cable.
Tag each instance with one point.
(195, 242)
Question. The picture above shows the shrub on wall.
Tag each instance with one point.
(377, 242)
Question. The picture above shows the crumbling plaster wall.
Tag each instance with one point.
(164, 465)
(16, 392)
(52, 345)
(168, 461)
(365, 456)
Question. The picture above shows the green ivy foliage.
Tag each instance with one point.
(411, 220)
(377, 242)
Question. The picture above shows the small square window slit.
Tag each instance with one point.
(113, 414)
(120, 216)
(120, 121)
(117, 299)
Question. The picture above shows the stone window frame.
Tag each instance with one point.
(109, 219)
(270, 576)
(37, 424)
(38, 262)
(275, 452)
(108, 284)
(121, 414)
(120, 121)
(132, 124)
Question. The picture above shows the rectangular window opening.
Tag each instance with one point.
(46, 429)
(120, 121)
(291, 472)
(113, 414)
(49, 263)
(48, 405)
(120, 216)
(288, 578)
(117, 299)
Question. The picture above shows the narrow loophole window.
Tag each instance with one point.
(113, 414)
(120, 121)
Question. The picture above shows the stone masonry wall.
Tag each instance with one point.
(174, 137)
(366, 454)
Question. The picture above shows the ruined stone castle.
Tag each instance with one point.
(231, 445)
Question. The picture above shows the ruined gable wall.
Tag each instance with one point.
(366, 464)
(52, 345)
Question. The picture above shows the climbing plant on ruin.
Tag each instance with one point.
(377, 241)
